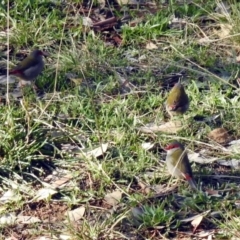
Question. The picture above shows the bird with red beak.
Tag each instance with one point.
(30, 67)
(178, 163)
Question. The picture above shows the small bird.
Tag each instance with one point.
(177, 102)
(30, 67)
(178, 163)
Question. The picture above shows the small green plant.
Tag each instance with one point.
(153, 216)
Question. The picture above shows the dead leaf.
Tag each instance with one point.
(118, 135)
(86, 21)
(196, 222)
(43, 194)
(234, 146)
(135, 22)
(76, 81)
(124, 2)
(60, 182)
(75, 214)
(159, 188)
(213, 193)
(204, 40)
(27, 219)
(151, 45)
(177, 23)
(199, 158)
(9, 196)
(65, 237)
(233, 163)
(4, 80)
(12, 238)
(142, 57)
(117, 39)
(205, 233)
(190, 219)
(145, 188)
(101, 3)
(220, 135)
(237, 203)
(7, 219)
(224, 31)
(238, 60)
(168, 127)
(147, 145)
(125, 84)
(15, 94)
(22, 83)
(113, 198)
(45, 238)
(97, 152)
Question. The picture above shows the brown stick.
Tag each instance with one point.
(104, 22)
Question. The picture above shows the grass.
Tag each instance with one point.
(43, 139)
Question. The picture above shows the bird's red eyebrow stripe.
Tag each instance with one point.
(171, 146)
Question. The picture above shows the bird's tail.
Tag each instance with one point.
(191, 182)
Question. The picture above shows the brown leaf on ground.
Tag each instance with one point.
(97, 152)
(200, 158)
(60, 182)
(43, 194)
(196, 222)
(225, 30)
(147, 145)
(151, 45)
(75, 214)
(117, 39)
(145, 188)
(113, 198)
(27, 219)
(220, 135)
(168, 127)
